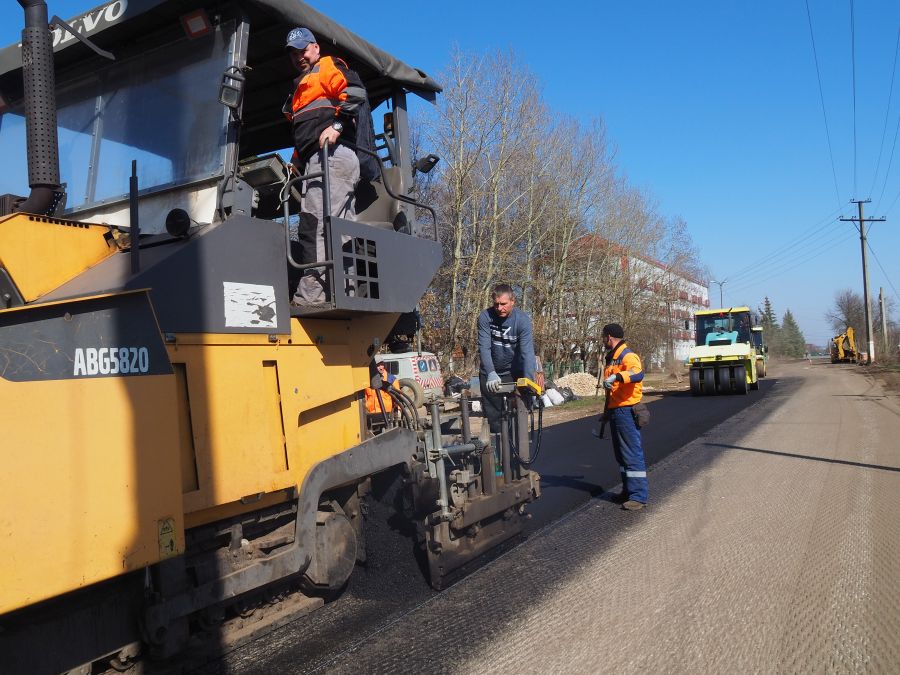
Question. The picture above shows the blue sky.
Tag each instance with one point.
(715, 110)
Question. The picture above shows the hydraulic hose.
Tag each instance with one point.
(381, 405)
(539, 404)
(400, 396)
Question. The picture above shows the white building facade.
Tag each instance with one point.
(679, 297)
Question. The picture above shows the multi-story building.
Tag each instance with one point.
(678, 296)
(664, 298)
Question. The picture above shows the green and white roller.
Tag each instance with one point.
(724, 358)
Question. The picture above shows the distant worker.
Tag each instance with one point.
(506, 349)
(539, 371)
(379, 403)
(743, 330)
(324, 107)
(622, 380)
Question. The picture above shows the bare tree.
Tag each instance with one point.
(534, 199)
(848, 311)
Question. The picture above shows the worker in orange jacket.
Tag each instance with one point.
(373, 406)
(622, 379)
(324, 106)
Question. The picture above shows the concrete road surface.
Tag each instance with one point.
(771, 545)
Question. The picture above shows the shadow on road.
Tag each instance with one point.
(572, 482)
(828, 460)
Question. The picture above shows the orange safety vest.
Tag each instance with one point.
(627, 366)
(372, 405)
(321, 87)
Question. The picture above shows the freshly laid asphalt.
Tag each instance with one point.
(575, 466)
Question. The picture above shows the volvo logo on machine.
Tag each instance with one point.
(96, 19)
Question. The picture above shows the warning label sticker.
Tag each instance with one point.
(166, 528)
(249, 305)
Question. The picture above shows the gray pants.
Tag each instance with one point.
(343, 174)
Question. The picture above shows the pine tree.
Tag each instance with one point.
(772, 332)
(793, 344)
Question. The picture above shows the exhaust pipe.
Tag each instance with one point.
(40, 111)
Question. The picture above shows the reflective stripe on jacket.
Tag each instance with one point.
(626, 366)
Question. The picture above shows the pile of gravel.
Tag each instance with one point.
(582, 384)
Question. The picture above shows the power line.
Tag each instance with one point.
(781, 250)
(888, 209)
(887, 278)
(793, 264)
(853, 61)
(887, 173)
(782, 263)
(837, 192)
(786, 249)
(887, 115)
(785, 266)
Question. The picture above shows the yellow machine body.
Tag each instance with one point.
(42, 253)
(90, 478)
(844, 348)
(132, 461)
(262, 414)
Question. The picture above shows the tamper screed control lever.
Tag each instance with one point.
(522, 383)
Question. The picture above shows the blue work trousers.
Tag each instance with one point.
(626, 440)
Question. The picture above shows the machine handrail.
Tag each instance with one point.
(387, 188)
(326, 204)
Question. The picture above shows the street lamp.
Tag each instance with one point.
(720, 283)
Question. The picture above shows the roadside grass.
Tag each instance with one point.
(888, 373)
(585, 402)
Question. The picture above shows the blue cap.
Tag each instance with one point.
(299, 38)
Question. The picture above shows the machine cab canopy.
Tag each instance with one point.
(724, 326)
(158, 102)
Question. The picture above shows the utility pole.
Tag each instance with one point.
(884, 333)
(720, 283)
(862, 242)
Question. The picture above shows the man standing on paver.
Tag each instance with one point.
(506, 349)
(622, 380)
(324, 107)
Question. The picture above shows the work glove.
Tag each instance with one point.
(608, 382)
(493, 383)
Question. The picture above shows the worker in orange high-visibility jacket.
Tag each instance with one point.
(373, 407)
(324, 106)
(622, 378)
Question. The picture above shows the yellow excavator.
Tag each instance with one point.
(843, 347)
